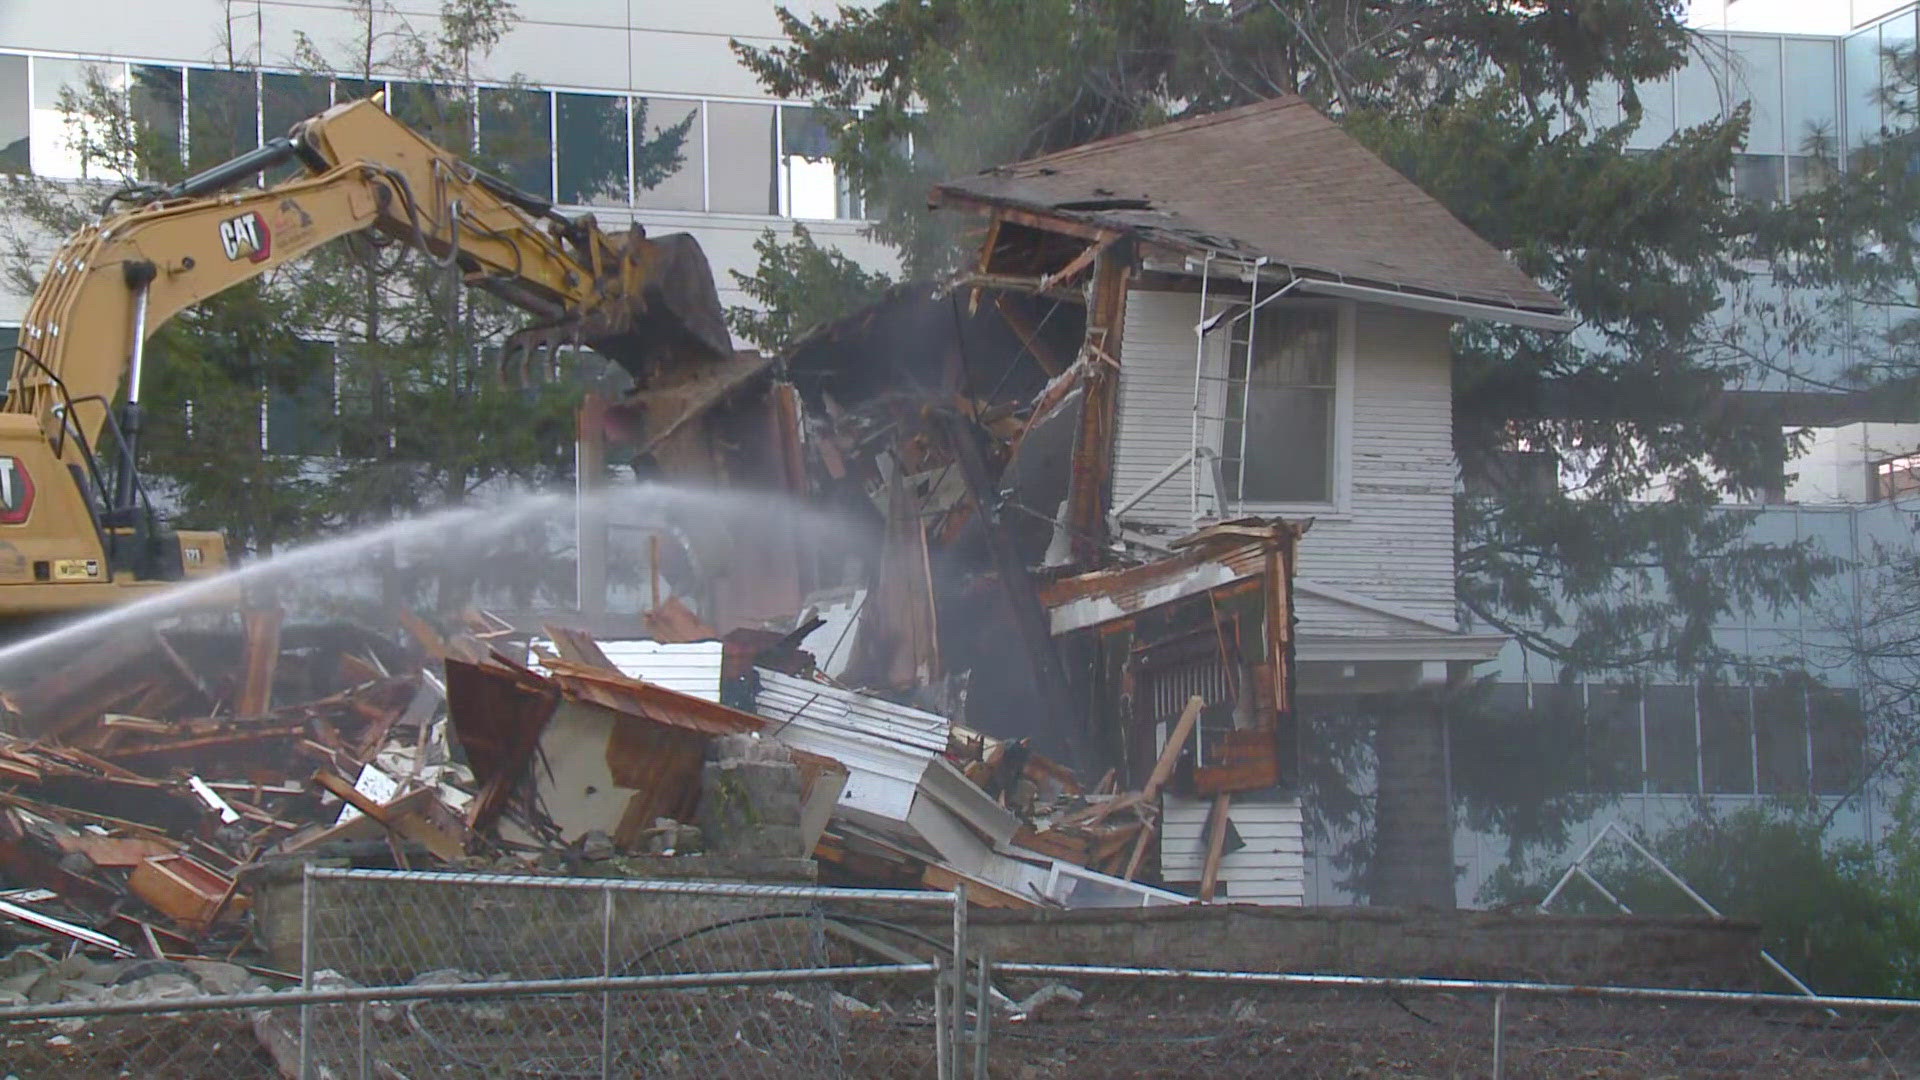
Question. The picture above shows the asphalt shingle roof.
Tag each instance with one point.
(1276, 179)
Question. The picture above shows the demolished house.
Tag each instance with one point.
(1183, 429)
(1170, 463)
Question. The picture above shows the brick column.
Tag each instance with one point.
(1413, 822)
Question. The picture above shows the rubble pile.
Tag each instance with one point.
(149, 786)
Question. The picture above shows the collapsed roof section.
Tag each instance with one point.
(1275, 186)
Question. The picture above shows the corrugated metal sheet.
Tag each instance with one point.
(692, 668)
(784, 698)
(887, 748)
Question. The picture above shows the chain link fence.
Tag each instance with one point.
(414, 975)
(1139, 1022)
(409, 975)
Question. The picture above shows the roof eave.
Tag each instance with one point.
(1488, 309)
(1559, 322)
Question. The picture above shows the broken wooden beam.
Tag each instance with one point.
(261, 660)
(1216, 847)
(406, 823)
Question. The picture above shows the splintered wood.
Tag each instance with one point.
(144, 778)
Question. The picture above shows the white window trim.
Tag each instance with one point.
(1343, 390)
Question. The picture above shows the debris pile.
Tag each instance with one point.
(145, 787)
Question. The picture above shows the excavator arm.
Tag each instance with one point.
(114, 283)
(644, 303)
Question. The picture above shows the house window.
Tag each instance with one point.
(1896, 476)
(1277, 439)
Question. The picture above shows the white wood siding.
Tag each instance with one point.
(1271, 869)
(1156, 404)
(1395, 540)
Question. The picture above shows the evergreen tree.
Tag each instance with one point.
(1491, 108)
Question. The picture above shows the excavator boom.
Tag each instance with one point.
(70, 425)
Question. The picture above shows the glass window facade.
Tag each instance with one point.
(64, 145)
(1810, 98)
(516, 138)
(590, 149)
(669, 154)
(1753, 77)
(223, 116)
(16, 120)
(745, 137)
(576, 148)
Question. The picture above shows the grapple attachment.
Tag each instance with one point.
(654, 309)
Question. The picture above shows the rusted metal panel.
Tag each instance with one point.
(662, 766)
(650, 702)
(498, 716)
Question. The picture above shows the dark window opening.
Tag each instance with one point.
(1277, 441)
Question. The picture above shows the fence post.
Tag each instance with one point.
(981, 1022)
(1499, 1033)
(364, 1063)
(942, 1032)
(959, 998)
(606, 972)
(306, 967)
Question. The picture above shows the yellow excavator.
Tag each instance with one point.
(77, 530)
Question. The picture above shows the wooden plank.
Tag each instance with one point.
(1176, 741)
(1078, 263)
(1033, 219)
(1216, 844)
(428, 638)
(1148, 831)
(578, 646)
(1054, 842)
(184, 669)
(980, 892)
(116, 851)
(409, 823)
(262, 658)
(1029, 335)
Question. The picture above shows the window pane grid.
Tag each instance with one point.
(577, 147)
(1276, 431)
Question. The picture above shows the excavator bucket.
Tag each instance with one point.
(655, 310)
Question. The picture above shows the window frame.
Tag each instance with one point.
(850, 208)
(1882, 471)
(1340, 453)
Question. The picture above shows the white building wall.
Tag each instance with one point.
(1837, 464)
(1391, 536)
(1270, 869)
